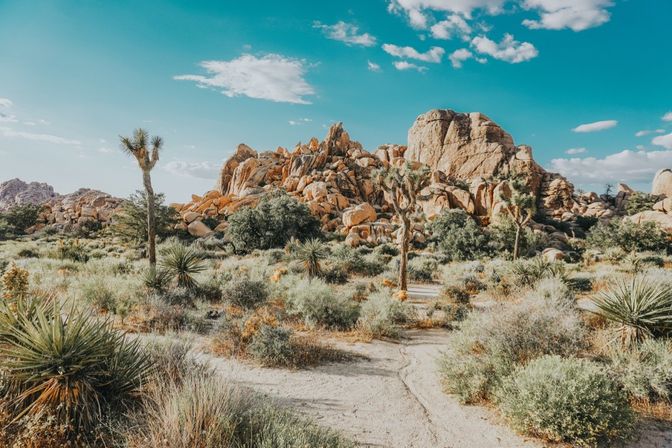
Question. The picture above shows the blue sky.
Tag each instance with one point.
(207, 75)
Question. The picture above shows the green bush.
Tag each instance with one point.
(72, 250)
(272, 346)
(17, 219)
(335, 274)
(355, 262)
(459, 237)
(645, 372)
(271, 224)
(318, 305)
(422, 269)
(491, 343)
(381, 314)
(640, 202)
(529, 272)
(503, 236)
(97, 293)
(130, 222)
(628, 236)
(245, 292)
(566, 400)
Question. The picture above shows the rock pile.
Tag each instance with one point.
(82, 207)
(17, 192)
(469, 155)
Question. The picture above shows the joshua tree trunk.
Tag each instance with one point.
(151, 218)
(516, 244)
(403, 262)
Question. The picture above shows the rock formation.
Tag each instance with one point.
(470, 157)
(82, 207)
(662, 183)
(17, 192)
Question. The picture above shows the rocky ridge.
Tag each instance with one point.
(469, 156)
(17, 192)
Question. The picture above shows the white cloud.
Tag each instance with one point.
(201, 170)
(271, 77)
(347, 33)
(104, 150)
(457, 57)
(433, 55)
(6, 102)
(509, 49)
(403, 65)
(625, 166)
(596, 126)
(372, 66)
(644, 132)
(574, 151)
(48, 138)
(299, 121)
(454, 25)
(8, 118)
(577, 15)
(414, 9)
(667, 117)
(663, 140)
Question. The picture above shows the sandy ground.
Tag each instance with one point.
(391, 396)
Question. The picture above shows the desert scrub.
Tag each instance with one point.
(318, 305)
(245, 292)
(645, 372)
(422, 269)
(628, 236)
(490, 344)
(381, 314)
(182, 263)
(98, 294)
(459, 237)
(566, 400)
(15, 282)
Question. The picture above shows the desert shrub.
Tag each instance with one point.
(640, 307)
(98, 294)
(529, 272)
(245, 292)
(71, 367)
(422, 269)
(275, 256)
(586, 222)
(459, 237)
(20, 217)
(72, 250)
(640, 202)
(354, 262)
(210, 289)
(204, 412)
(455, 294)
(554, 290)
(628, 236)
(503, 236)
(272, 346)
(566, 400)
(28, 252)
(490, 344)
(179, 296)
(319, 305)
(381, 314)
(335, 274)
(645, 372)
(130, 222)
(386, 249)
(156, 279)
(272, 223)
(173, 360)
(182, 263)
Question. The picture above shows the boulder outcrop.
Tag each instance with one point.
(469, 155)
(82, 207)
(662, 183)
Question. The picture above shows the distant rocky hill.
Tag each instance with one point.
(77, 208)
(469, 155)
(17, 192)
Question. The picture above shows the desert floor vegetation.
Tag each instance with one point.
(564, 352)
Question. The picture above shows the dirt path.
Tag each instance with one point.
(391, 399)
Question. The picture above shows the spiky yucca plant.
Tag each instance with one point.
(182, 262)
(640, 307)
(311, 253)
(70, 367)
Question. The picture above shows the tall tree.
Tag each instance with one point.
(146, 154)
(520, 206)
(402, 185)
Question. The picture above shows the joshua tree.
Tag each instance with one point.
(402, 186)
(138, 147)
(520, 206)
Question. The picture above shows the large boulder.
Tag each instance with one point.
(356, 215)
(662, 183)
(662, 219)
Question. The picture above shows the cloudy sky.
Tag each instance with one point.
(586, 83)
